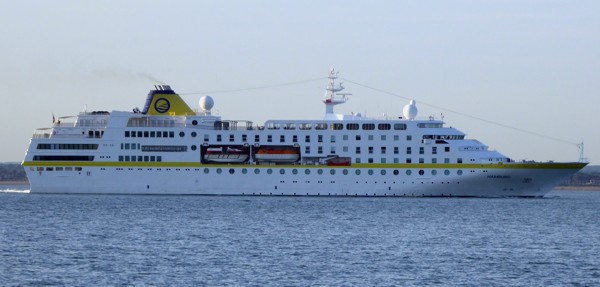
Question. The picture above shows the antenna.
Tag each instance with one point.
(582, 158)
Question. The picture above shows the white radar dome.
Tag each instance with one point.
(206, 103)
(410, 110)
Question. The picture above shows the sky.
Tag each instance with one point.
(523, 77)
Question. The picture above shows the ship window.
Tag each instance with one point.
(332, 171)
(306, 149)
(320, 138)
(146, 134)
(159, 158)
(127, 158)
(383, 160)
(282, 138)
(171, 134)
(126, 134)
(294, 171)
(132, 134)
(396, 160)
(307, 139)
(231, 138)
(256, 171)
(434, 160)
(434, 172)
(345, 137)
(408, 160)
(152, 158)
(357, 160)
(370, 172)
(332, 139)
(282, 171)
(120, 158)
(384, 127)
(345, 149)
(383, 150)
(459, 160)
(256, 138)
(400, 127)
(218, 138)
(219, 171)
(421, 150)
(370, 149)
(194, 122)
(231, 171)
(305, 126)
(333, 150)
(408, 172)
(152, 134)
(345, 172)
(320, 171)
(368, 127)
(409, 138)
(357, 150)
(139, 158)
(396, 150)
(193, 147)
(396, 137)
(383, 172)
(307, 171)
(269, 171)
(244, 171)
(337, 126)
(139, 134)
(320, 149)
(421, 172)
(396, 172)
(446, 160)
(357, 172)
(352, 127)
(159, 134)
(146, 158)
(126, 146)
(421, 160)
(446, 148)
(370, 160)
(408, 150)
(370, 137)
(165, 134)
(295, 138)
(244, 138)
(459, 172)
(321, 126)
(59, 168)
(357, 137)
(383, 137)
(434, 150)
(181, 134)
(133, 158)
(194, 134)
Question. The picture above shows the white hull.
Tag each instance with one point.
(519, 182)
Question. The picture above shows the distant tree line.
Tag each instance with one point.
(12, 172)
(16, 172)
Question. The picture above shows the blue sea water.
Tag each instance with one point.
(83, 240)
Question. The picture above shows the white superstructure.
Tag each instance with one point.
(167, 148)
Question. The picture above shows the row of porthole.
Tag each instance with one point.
(332, 171)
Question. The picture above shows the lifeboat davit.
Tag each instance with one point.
(277, 155)
(225, 155)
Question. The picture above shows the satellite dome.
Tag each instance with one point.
(410, 110)
(206, 103)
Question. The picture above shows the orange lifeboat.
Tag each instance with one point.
(284, 155)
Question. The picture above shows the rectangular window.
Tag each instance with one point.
(368, 127)
(446, 160)
(345, 149)
(396, 137)
(352, 127)
(133, 134)
(306, 149)
(370, 160)
(152, 158)
(408, 138)
(320, 150)
(231, 138)
(459, 160)
(383, 160)
(158, 134)
(126, 146)
(447, 149)
(295, 138)
(282, 138)
(370, 149)
(408, 160)
(218, 138)
(384, 127)
(396, 150)
(307, 139)
(434, 160)
(126, 134)
(146, 158)
(139, 134)
(120, 158)
(153, 134)
(165, 134)
(408, 150)
(171, 134)
(269, 138)
(320, 138)
(146, 134)
(400, 127)
(357, 150)
(382, 150)
(139, 158)
(158, 158)
(244, 138)
(396, 160)
(383, 137)
(332, 139)
(127, 158)
(256, 138)
(434, 150)
(370, 137)
(421, 150)
(357, 137)
(421, 160)
(357, 160)
(332, 150)
(345, 137)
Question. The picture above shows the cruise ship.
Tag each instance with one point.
(170, 148)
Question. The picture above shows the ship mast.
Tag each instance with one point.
(330, 99)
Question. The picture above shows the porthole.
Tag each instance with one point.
(357, 172)
(231, 171)
(332, 171)
(421, 172)
(256, 171)
(408, 172)
(383, 172)
(307, 171)
(181, 134)
(459, 172)
(294, 171)
(194, 134)
(219, 171)
(345, 171)
(396, 172)
(269, 171)
(434, 172)
(206, 170)
(244, 171)
(320, 171)
(193, 147)
(370, 172)
(282, 171)
(194, 122)
(446, 172)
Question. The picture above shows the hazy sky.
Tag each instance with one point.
(531, 65)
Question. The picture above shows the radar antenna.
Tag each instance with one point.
(330, 99)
